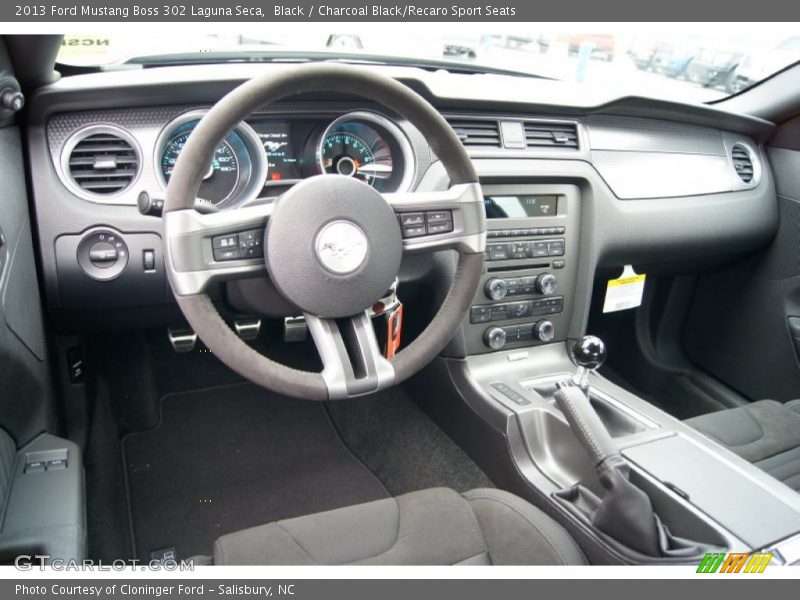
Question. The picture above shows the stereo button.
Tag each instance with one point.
(498, 251)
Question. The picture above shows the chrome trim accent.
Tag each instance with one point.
(188, 252)
(338, 374)
(788, 550)
(260, 167)
(248, 329)
(182, 340)
(752, 153)
(566, 153)
(409, 159)
(78, 136)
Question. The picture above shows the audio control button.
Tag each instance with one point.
(499, 312)
(546, 284)
(480, 314)
(496, 289)
(539, 250)
(498, 251)
(495, 337)
(555, 248)
(520, 310)
(544, 331)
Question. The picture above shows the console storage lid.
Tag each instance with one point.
(727, 494)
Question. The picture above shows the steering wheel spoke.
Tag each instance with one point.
(448, 220)
(205, 248)
(352, 361)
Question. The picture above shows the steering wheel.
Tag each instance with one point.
(332, 245)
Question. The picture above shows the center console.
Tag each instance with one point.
(709, 499)
(526, 294)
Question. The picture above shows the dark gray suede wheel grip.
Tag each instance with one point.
(258, 93)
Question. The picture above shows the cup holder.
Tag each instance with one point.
(618, 419)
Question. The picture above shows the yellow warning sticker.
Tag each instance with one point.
(625, 292)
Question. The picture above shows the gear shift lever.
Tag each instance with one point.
(625, 512)
(588, 353)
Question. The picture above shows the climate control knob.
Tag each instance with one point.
(546, 284)
(495, 338)
(496, 289)
(544, 331)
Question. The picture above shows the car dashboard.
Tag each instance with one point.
(571, 184)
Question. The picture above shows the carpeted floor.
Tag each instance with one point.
(227, 458)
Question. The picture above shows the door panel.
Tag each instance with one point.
(26, 397)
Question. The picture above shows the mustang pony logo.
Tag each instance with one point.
(341, 247)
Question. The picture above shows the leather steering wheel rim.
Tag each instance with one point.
(187, 177)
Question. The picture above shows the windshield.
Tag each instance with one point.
(679, 62)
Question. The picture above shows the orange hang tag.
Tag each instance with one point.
(394, 329)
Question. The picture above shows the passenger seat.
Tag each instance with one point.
(766, 433)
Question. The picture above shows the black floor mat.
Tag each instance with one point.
(232, 457)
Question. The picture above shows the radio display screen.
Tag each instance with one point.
(520, 207)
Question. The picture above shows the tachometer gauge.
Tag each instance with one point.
(237, 170)
(368, 147)
(222, 176)
(349, 155)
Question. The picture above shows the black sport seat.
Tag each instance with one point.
(766, 433)
(429, 527)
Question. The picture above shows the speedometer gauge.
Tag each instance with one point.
(368, 147)
(221, 177)
(238, 167)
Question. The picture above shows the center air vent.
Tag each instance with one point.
(743, 163)
(102, 161)
(477, 133)
(550, 135)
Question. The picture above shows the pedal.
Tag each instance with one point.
(248, 329)
(295, 329)
(183, 340)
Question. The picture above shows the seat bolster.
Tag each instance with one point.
(518, 533)
(754, 432)
(794, 405)
(429, 527)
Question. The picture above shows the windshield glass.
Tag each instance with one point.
(698, 63)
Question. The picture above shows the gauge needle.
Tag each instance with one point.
(376, 170)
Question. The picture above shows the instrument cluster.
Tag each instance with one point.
(263, 156)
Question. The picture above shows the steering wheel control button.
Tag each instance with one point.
(102, 255)
(341, 247)
(496, 289)
(234, 246)
(412, 219)
(495, 338)
(432, 222)
(334, 246)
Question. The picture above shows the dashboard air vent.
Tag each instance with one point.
(103, 163)
(477, 133)
(742, 162)
(540, 134)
